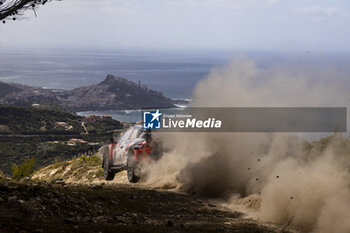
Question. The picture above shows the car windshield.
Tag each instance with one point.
(131, 133)
(126, 135)
(135, 133)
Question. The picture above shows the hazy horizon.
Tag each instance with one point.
(175, 73)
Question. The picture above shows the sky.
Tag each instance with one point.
(321, 25)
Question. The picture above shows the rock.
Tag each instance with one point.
(58, 181)
(71, 214)
(38, 231)
(13, 198)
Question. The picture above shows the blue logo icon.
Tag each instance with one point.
(151, 119)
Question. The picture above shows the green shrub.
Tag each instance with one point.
(91, 160)
(27, 168)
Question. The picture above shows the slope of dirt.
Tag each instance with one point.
(57, 207)
(81, 170)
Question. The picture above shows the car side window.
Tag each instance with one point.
(135, 133)
(126, 135)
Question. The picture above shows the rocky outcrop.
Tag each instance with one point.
(115, 93)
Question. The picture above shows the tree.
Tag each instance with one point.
(11, 9)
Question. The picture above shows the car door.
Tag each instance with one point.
(120, 147)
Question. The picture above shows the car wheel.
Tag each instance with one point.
(107, 172)
(131, 168)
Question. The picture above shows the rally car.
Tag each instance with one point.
(127, 153)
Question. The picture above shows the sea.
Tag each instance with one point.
(174, 73)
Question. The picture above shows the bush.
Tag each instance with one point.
(27, 168)
(91, 160)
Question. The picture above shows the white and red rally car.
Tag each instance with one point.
(132, 148)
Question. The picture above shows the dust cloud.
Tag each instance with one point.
(277, 178)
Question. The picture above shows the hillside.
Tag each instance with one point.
(6, 89)
(36, 119)
(49, 134)
(113, 93)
